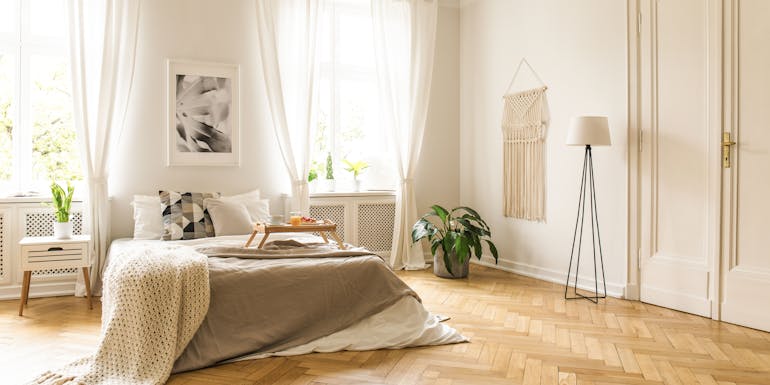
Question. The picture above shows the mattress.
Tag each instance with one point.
(264, 307)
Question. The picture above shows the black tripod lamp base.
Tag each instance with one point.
(587, 192)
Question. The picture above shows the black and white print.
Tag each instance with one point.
(203, 110)
(203, 124)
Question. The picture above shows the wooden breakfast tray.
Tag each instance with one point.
(323, 227)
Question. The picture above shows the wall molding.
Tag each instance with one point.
(549, 275)
(677, 301)
(39, 290)
(631, 291)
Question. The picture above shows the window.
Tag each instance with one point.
(37, 133)
(348, 100)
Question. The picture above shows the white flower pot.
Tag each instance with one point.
(62, 230)
(329, 185)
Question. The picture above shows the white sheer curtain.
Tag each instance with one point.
(288, 30)
(102, 36)
(404, 42)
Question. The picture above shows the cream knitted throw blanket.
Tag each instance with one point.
(154, 301)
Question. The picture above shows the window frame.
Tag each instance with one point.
(24, 45)
(337, 72)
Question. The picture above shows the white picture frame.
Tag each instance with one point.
(203, 114)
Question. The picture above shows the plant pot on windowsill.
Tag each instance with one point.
(355, 168)
(455, 238)
(329, 185)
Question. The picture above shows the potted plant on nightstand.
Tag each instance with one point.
(62, 227)
(454, 239)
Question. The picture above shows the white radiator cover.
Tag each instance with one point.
(363, 219)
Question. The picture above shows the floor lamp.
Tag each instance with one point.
(587, 131)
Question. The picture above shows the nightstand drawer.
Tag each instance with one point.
(50, 256)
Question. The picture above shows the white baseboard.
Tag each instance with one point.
(549, 275)
(631, 292)
(680, 301)
(38, 290)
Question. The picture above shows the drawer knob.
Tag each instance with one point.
(55, 249)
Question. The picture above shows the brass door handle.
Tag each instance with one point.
(726, 144)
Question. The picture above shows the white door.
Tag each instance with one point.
(745, 284)
(679, 166)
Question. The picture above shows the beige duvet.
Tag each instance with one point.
(288, 295)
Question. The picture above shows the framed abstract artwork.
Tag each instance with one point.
(203, 127)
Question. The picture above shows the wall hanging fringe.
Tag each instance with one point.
(524, 125)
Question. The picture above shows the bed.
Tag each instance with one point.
(173, 306)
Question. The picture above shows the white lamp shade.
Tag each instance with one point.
(585, 130)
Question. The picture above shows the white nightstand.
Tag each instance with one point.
(39, 253)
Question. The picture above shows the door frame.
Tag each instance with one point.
(638, 18)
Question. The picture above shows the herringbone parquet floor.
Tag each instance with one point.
(522, 332)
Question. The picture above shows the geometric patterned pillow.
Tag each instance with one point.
(184, 216)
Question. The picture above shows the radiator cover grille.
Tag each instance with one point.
(375, 225)
(332, 212)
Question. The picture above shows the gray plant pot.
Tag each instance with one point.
(458, 270)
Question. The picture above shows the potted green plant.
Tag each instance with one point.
(329, 172)
(454, 239)
(356, 168)
(316, 168)
(61, 202)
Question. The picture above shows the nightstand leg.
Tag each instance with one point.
(26, 287)
(87, 280)
(24, 291)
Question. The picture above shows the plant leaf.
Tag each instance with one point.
(492, 249)
(422, 229)
(434, 246)
(476, 245)
(448, 264)
(461, 248)
(441, 212)
(473, 213)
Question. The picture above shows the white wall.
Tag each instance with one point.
(225, 31)
(579, 50)
(437, 178)
(200, 30)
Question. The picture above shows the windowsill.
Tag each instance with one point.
(32, 199)
(335, 194)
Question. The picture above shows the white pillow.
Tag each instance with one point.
(148, 221)
(251, 195)
(259, 209)
(229, 216)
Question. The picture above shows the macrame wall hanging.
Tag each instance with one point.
(525, 117)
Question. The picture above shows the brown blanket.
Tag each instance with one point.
(287, 295)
